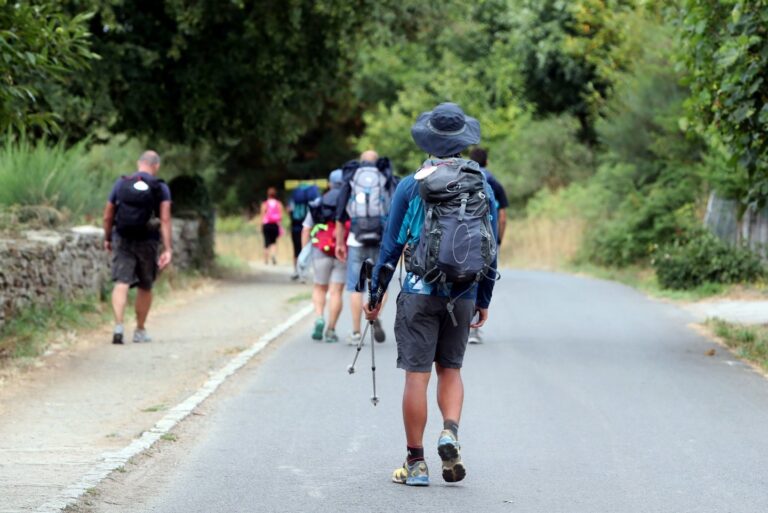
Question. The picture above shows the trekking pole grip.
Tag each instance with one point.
(366, 271)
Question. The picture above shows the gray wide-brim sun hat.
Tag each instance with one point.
(445, 130)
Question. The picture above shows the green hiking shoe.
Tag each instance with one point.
(449, 449)
(317, 333)
(330, 336)
(415, 474)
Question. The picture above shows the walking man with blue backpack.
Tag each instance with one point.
(364, 201)
(480, 155)
(137, 217)
(298, 206)
(443, 220)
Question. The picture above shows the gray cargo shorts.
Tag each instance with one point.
(327, 268)
(425, 332)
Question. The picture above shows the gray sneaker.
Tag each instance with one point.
(449, 450)
(354, 338)
(330, 336)
(378, 332)
(141, 336)
(475, 337)
(415, 474)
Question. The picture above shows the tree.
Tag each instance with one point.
(41, 46)
(725, 51)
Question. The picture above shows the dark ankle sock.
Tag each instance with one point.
(452, 425)
(415, 454)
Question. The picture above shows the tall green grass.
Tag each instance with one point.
(55, 176)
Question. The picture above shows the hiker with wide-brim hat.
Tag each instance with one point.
(445, 131)
(443, 290)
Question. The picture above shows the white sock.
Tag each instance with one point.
(119, 329)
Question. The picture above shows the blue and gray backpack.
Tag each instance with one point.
(456, 244)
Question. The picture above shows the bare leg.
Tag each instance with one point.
(450, 392)
(356, 307)
(334, 308)
(273, 253)
(318, 298)
(415, 407)
(143, 302)
(119, 299)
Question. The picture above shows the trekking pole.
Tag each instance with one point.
(374, 299)
(366, 272)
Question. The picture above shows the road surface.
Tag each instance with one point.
(587, 397)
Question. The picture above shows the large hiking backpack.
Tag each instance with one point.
(369, 201)
(138, 207)
(301, 198)
(456, 244)
(323, 212)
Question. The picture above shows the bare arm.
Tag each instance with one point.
(341, 244)
(305, 235)
(166, 234)
(108, 220)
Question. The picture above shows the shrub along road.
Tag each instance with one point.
(587, 397)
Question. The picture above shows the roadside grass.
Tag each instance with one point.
(748, 342)
(30, 332)
(240, 239)
(155, 408)
(298, 298)
(229, 266)
(553, 244)
(541, 243)
(644, 279)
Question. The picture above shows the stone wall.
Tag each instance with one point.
(38, 267)
(735, 225)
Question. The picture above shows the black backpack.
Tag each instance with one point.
(323, 209)
(456, 244)
(138, 207)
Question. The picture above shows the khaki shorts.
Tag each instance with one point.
(327, 269)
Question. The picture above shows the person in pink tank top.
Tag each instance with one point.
(271, 217)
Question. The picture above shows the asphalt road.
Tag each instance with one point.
(586, 398)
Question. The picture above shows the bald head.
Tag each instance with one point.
(369, 156)
(149, 162)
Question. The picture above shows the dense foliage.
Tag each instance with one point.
(622, 113)
(41, 47)
(725, 51)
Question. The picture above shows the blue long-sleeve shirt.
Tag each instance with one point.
(404, 224)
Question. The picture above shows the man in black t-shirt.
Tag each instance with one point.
(136, 218)
(480, 156)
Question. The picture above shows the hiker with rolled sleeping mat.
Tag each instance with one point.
(443, 219)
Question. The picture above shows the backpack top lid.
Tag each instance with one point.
(304, 194)
(444, 179)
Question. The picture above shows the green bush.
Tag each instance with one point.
(703, 258)
(37, 174)
(541, 154)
